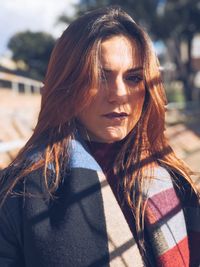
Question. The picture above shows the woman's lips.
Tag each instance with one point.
(116, 115)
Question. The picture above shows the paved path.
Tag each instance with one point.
(18, 114)
(185, 141)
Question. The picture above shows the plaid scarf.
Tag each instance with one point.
(172, 232)
(172, 222)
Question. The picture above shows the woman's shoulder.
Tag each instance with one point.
(20, 179)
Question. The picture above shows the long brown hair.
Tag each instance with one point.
(72, 71)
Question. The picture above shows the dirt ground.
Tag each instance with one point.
(18, 115)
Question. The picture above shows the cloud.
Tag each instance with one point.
(37, 15)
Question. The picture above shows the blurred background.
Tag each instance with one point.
(28, 32)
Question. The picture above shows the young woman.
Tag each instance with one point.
(97, 184)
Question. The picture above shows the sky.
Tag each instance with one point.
(34, 15)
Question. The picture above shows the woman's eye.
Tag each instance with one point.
(134, 78)
(103, 77)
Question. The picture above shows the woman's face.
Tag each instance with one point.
(117, 105)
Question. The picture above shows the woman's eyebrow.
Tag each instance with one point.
(106, 70)
(136, 69)
(129, 70)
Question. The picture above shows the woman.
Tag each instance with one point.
(97, 184)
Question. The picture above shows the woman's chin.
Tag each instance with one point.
(108, 137)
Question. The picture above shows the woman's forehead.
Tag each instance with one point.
(120, 51)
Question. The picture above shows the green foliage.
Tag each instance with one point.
(174, 93)
(179, 17)
(163, 18)
(143, 11)
(34, 49)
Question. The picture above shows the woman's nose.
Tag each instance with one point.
(117, 91)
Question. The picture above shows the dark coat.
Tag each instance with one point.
(82, 226)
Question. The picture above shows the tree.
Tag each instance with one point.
(173, 21)
(179, 23)
(33, 48)
(143, 11)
